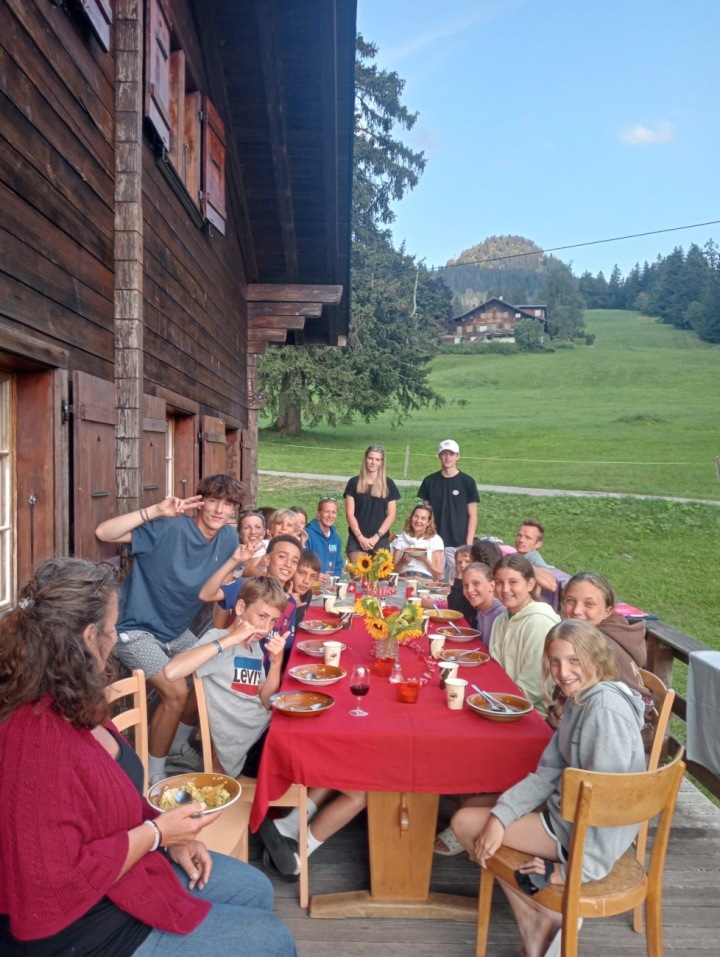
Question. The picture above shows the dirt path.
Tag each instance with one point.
(508, 489)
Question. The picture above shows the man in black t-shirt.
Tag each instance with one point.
(453, 497)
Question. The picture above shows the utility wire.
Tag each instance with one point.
(594, 242)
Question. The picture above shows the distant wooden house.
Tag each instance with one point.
(176, 191)
(494, 319)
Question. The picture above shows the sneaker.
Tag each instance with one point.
(281, 851)
(186, 759)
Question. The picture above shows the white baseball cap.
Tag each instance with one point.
(449, 445)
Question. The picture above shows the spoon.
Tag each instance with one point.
(461, 654)
(494, 705)
(183, 797)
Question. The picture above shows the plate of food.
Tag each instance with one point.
(501, 706)
(314, 646)
(443, 614)
(458, 633)
(415, 552)
(218, 791)
(465, 659)
(301, 704)
(317, 675)
(316, 626)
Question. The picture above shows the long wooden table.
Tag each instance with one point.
(404, 756)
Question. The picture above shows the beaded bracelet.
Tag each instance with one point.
(158, 835)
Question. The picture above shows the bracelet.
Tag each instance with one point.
(218, 646)
(158, 835)
(144, 515)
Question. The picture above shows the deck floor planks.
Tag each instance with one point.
(691, 901)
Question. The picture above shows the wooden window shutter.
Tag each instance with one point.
(213, 205)
(157, 69)
(213, 446)
(191, 145)
(99, 13)
(185, 456)
(176, 151)
(95, 496)
(154, 450)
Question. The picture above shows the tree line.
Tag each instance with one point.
(682, 289)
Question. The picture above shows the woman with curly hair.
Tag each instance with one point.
(370, 505)
(88, 865)
(418, 549)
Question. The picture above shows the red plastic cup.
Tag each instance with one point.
(408, 690)
(383, 667)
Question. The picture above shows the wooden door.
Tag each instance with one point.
(154, 451)
(94, 482)
(212, 446)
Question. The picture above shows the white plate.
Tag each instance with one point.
(479, 705)
(317, 675)
(314, 647)
(464, 659)
(315, 626)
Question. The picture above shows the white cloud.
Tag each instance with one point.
(639, 135)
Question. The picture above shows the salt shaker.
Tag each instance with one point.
(396, 675)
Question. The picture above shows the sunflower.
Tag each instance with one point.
(408, 634)
(363, 564)
(385, 570)
(359, 608)
(384, 555)
(377, 628)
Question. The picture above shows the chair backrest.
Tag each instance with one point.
(664, 698)
(204, 722)
(135, 716)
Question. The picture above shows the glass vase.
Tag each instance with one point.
(385, 652)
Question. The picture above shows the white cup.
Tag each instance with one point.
(448, 669)
(332, 652)
(413, 584)
(437, 643)
(423, 593)
(455, 688)
(341, 590)
(415, 601)
(330, 603)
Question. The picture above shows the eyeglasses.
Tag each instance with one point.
(112, 573)
(375, 448)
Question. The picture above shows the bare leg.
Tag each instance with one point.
(337, 813)
(167, 716)
(537, 925)
(468, 800)
(352, 557)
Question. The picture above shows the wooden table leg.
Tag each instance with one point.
(401, 829)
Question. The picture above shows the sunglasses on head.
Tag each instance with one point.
(375, 448)
(328, 498)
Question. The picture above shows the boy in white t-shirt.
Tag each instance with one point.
(238, 677)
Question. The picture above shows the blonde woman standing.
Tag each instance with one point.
(370, 505)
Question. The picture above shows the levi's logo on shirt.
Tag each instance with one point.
(247, 675)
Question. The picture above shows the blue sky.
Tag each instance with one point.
(560, 120)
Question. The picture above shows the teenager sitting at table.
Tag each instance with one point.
(517, 636)
(479, 589)
(89, 867)
(324, 540)
(419, 534)
(599, 731)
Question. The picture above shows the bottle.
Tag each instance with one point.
(396, 675)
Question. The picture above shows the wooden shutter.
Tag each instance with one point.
(246, 457)
(154, 450)
(99, 13)
(212, 446)
(176, 151)
(213, 195)
(42, 503)
(191, 145)
(157, 69)
(95, 495)
(185, 456)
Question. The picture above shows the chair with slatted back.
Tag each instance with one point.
(663, 698)
(591, 799)
(135, 716)
(295, 796)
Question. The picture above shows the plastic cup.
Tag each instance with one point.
(411, 587)
(383, 667)
(341, 590)
(330, 603)
(332, 651)
(455, 689)
(437, 643)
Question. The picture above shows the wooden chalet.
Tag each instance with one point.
(494, 319)
(176, 188)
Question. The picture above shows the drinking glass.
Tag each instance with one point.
(359, 686)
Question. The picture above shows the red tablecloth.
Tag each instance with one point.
(422, 747)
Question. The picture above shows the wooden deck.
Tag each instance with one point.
(692, 901)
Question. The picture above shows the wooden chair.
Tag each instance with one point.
(663, 698)
(591, 799)
(136, 716)
(295, 796)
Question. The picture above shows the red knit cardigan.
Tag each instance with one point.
(67, 810)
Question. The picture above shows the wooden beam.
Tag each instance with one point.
(267, 335)
(267, 14)
(287, 292)
(278, 322)
(312, 310)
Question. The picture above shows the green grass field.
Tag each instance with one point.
(637, 412)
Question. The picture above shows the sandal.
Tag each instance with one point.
(452, 845)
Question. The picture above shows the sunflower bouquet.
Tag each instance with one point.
(403, 624)
(373, 568)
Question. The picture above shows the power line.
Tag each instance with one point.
(593, 242)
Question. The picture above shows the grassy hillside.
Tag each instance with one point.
(637, 412)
